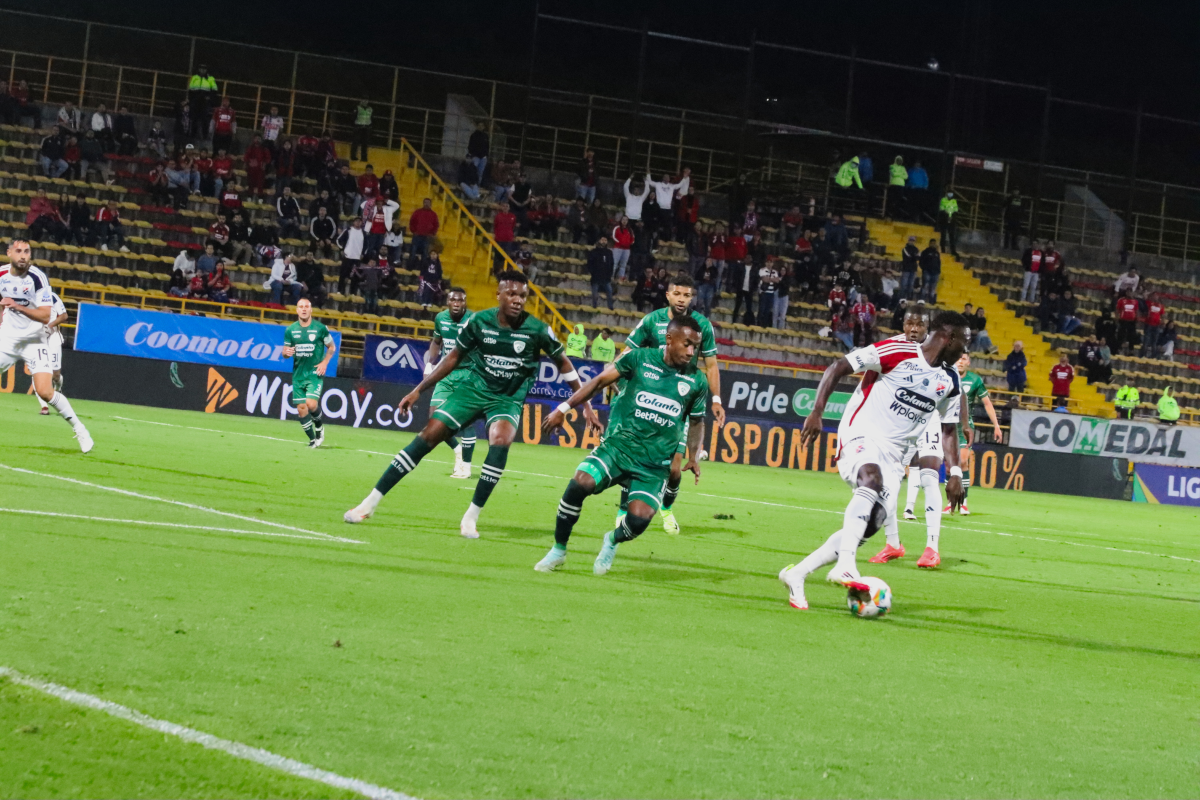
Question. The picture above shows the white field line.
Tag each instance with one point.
(170, 525)
(966, 528)
(211, 430)
(192, 506)
(235, 749)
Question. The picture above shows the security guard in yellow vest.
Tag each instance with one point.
(1126, 401)
(201, 87)
(947, 211)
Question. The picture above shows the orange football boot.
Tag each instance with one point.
(930, 558)
(887, 554)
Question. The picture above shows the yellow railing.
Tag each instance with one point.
(538, 304)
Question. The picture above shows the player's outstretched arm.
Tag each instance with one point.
(39, 314)
(443, 369)
(330, 351)
(997, 435)
(582, 394)
(433, 354)
(567, 370)
(813, 426)
(695, 443)
(712, 371)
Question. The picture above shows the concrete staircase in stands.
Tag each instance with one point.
(960, 286)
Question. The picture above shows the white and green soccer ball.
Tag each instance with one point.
(875, 603)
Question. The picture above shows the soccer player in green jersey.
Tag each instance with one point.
(975, 392)
(664, 394)
(446, 327)
(651, 332)
(310, 346)
(500, 349)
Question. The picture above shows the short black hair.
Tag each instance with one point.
(512, 275)
(688, 322)
(949, 319)
(458, 289)
(16, 239)
(683, 280)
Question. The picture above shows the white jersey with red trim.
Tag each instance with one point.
(900, 394)
(31, 290)
(930, 437)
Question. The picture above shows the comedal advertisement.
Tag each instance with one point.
(1137, 440)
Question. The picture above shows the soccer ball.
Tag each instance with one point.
(877, 604)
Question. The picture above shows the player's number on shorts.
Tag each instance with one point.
(43, 354)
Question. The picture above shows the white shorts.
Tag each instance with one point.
(856, 451)
(928, 445)
(34, 351)
(55, 343)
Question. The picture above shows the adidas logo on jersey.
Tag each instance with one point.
(220, 392)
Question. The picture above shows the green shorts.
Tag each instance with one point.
(468, 402)
(306, 386)
(445, 388)
(610, 467)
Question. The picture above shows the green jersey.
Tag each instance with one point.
(975, 390)
(446, 329)
(505, 360)
(310, 342)
(650, 417)
(652, 332)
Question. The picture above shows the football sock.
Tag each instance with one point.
(404, 462)
(306, 422)
(452, 443)
(819, 557)
(933, 507)
(966, 484)
(631, 528)
(41, 402)
(568, 512)
(854, 524)
(669, 497)
(489, 476)
(891, 530)
(62, 405)
(914, 486)
(318, 421)
(468, 445)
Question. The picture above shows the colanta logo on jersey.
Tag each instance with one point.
(503, 363)
(658, 403)
(917, 404)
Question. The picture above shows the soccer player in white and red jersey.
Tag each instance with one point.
(905, 383)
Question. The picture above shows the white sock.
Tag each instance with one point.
(891, 529)
(854, 525)
(819, 557)
(472, 513)
(933, 507)
(41, 402)
(914, 486)
(372, 502)
(63, 406)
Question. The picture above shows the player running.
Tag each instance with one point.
(924, 462)
(662, 390)
(652, 332)
(501, 348)
(310, 346)
(28, 307)
(904, 384)
(975, 391)
(446, 327)
(54, 343)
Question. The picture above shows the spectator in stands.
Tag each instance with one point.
(1014, 367)
(838, 236)
(8, 105)
(604, 349)
(125, 132)
(981, 339)
(309, 273)
(596, 221)
(51, 153)
(478, 148)
(520, 200)
(206, 264)
(1129, 281)
(585, 173)
(706, 286)
(323, 200)
(718, 251)
(183, 121)
(1167, 338)
(222, 171)
(576, 345)
(79, 219)
(422, 227)
(1061, 375)
(504, 231)
(622, 246)
(285, 165)
(219, 284)
(1153, 325)
(1127, 316)
(695, 243)
(948, 222)
(109, 228)
(842, 327)
(931, 271)
(70, 119)
(156, 139)
(22, 105)
(321, 231)
(178, 184)
(1047, 313)
(327, 158)
(1089, 357)
(223, 127)
(378, 215)
(360, 141)
(745, 283)
(635, 200)
(735, 245)
(283, 278)
(468, 178)
(369, 280)
(643, 292)
(687, 214)
(863, 314)
(387, 185)
(504, 177)
(576, 220)
(430, 280)
(230, 199)
(198, 287)
(1068, 308)
(641, 252)
(1106, 326)
(182, 273)
(749, 221)
(306, 155)
(1014, 219)
(271, 126)
(910, 259)
(367, 185)
(351, 244)
(240, 249)
(256, 160)
(44, 219)
(918, 186)
(600, 271)
(342, 188)
(394, 242)
(158, 185)
(783, 291)
(524, 259)
(792, 226)
(1126, 401)
(888, 287)
(218, 236)
(768, 286)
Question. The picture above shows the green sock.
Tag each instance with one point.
(568, 512)
(452, 442)
(493, 470)
(306, 422)
(404, 462)
(468, 443)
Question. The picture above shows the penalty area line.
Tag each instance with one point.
(236, 749)
(322, 538)
(192, 506)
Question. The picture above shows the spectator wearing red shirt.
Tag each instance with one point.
(1061, 375)
(793, 224)
(286, 161)
(735, 246)
(836, 303)
(504, 229)
(1154, 321)
(306, 154)
(687, 211)
(223, 127)
(622, 241)
(109, 228)
(257, 158)
(423, 226)
(230, 199)
(863, 313)
(218, 236)
(368, 187)
(718, 252)
(222, 170)
(1127, 316)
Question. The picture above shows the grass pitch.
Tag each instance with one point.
(1056, 652)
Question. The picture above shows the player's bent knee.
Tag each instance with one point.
(638, 508)
(585, 481)
(638, 520)
(302, 409)
(870, 477)
(502, 433)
